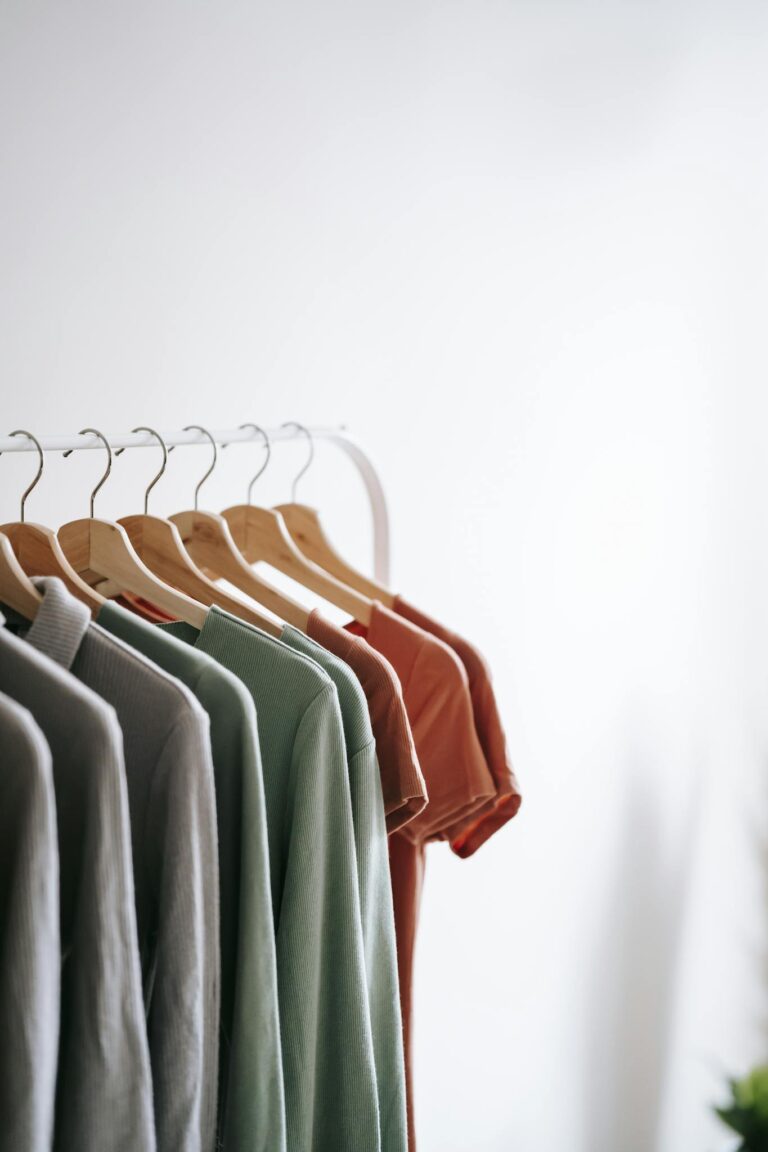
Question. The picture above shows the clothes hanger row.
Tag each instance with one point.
(174, 563)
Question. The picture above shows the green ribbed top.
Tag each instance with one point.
(328, 1062)
(251, 1097)
(378, 920)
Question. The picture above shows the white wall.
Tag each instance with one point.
(520, 248)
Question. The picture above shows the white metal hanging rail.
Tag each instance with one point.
(337, 436)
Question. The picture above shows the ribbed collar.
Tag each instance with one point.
(60, 623)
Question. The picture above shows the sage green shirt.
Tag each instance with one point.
(328, 1063)
(251, 1098)
(378, 920)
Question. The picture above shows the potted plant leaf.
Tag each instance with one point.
(746, 1113)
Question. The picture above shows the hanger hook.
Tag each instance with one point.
(38, 474)
(310, 458)
(161, 442)
(267, 445)
(205, 432)
(105, 442)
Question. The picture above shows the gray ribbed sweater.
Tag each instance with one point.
(104, 1087)
(173, 832)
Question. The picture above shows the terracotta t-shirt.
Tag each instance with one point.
(436, 693)
(143, 609)
(466, 836)
(402, 784)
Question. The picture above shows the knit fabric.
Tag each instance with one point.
(251, 1096)
(104, 1086)
(173, 832)
(30, 948)
(328, 1062)
(378, 924)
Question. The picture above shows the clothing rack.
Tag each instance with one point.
(334, 435)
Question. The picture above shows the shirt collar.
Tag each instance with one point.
(60, 623)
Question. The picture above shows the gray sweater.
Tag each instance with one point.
(104, 1088)
(30, 950)
(175, 863)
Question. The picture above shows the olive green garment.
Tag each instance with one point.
(378, 920)
(251, 1098)
(328, 1064)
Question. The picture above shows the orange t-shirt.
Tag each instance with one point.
(467, 835)
(141, 607)
(436, 693)
(402, 784)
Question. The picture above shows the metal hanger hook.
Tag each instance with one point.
(267, 445)
(310, 458)
(205, 432)
(105, 442)
(38, 474)
(161, 442)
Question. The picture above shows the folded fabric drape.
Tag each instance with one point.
(212, 858)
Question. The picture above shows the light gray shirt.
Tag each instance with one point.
(30, 974)
(175, 861)
(104, 1087)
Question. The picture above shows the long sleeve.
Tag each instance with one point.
(103, 1045)
(182, 990)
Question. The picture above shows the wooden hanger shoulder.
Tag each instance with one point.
(16, 588)
(307, 532)
(101, 550)
(208, 540)
(40, 554)
(261, 535)
(158, 542)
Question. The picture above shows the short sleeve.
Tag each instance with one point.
(440, 711)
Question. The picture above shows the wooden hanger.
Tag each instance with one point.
(38, 550)
(207, 538)
(158, 543)
(100, 550)
(261, 535)
(307, 532)
(16, 588)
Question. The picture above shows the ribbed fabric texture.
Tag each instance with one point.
(251, 1096)
(402, 783)
(104, 1087)
(467, 835)
(30, 948)
(378, 922)
(175, 862)
(328, 1062)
